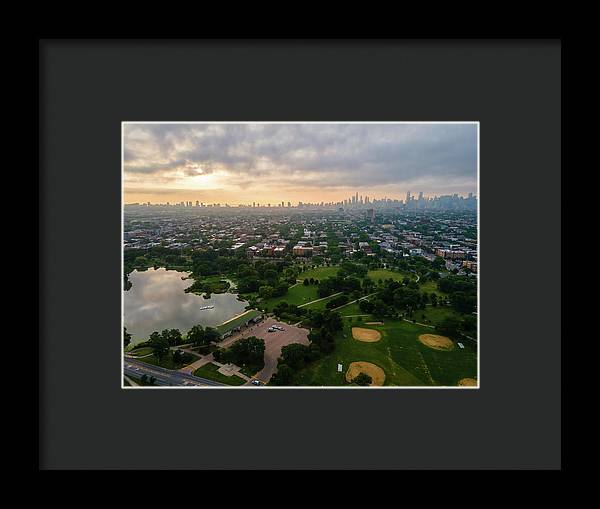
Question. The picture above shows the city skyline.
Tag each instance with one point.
(243, 163)
(355, 199)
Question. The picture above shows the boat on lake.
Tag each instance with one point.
(205, 307)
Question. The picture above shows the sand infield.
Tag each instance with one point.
(436, 342)
(366, 335)
(374, 371)
(470, 382)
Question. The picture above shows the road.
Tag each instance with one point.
(165, 377)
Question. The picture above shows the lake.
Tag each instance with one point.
(157, 301)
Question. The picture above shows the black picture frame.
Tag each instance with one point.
(88, 86)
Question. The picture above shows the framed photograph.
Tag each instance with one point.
(278, 254)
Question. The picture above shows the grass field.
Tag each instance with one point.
(430, 287)
(322, 303)
(166, 362)
(251, 369)
(405, 360)
(210, 372)
(384, 274)
(145, 350)
(350, 309)
(434, 315)
(319, 273)
(298, 294)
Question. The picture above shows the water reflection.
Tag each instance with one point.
(157, 301)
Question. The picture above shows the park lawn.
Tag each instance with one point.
(179, 268)
(430, 287)
(296, 294)
(383, 274)
(210, 371)
(319, 273)
(350, 309)
(405, 360)
(247, 296)
(145, 350)
(251, 369)
(322, 303)
(166, 362)
(435, 315)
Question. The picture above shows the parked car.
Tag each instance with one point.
(255, 382)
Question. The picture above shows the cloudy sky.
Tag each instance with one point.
(242, 163)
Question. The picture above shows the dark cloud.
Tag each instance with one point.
(332, 155)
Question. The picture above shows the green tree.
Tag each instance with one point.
(210, 335)
(177, 356)
(173, 336)
(294, 355)
(196, 335)
(160, 346)
(265, 291)
(449, 326)
(126, 337)
(284, 375)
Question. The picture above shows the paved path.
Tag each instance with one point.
(187, 349)
(352, 302)
(190, 368)
(138, 356)
(319, 300)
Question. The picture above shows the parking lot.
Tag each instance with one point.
(274, 341)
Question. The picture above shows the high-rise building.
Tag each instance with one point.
(407, 197)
